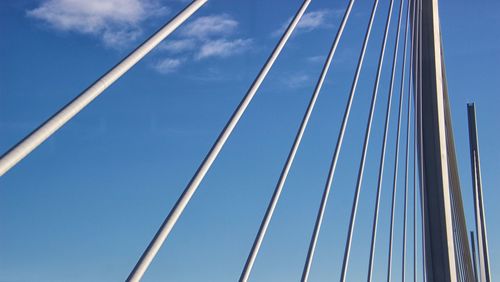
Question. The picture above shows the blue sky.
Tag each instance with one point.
(86, 203)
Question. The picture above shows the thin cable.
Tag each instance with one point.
(182, 202)
(281, 182)
(414, 191)
(408, 126)
(483, 278)
(421, 144)
(359, 182)
(473, 250)
(406, 190)
(415, 94)
(319, 218)
(384, 145)
(396, 159)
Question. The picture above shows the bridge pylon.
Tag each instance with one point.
(447, 255)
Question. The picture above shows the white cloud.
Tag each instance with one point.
(209, 26)
(178, 46)
(314, 20)
(115, 22)
(223, 48)
(204, 37)
(168, 65)
(316, 59)
(118, 22)
(309, 22)
(296, 80)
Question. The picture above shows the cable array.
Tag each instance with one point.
(429, 149)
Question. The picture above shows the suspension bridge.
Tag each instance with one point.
(424, 144)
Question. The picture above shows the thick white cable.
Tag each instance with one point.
(49, 127)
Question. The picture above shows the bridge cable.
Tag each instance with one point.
(415, 185)
(298, 138)
(319, 218)
(61, 117)
(396, 158)
(415, 106)
(366, 143)
(384, 144)
(407, 160)
(420, 143)
(182, 202)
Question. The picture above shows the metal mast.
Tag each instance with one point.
(477, 186)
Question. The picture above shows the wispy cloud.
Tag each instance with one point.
(206, 27)
(295, 80)
(115, 22)
(316, 59)
(168, 65)
(178, 46)
(206, 37)
(119, 22)
(314, 20)
(309, 22)
(223, 48)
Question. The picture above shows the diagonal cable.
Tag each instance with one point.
(396, 158)
(366, 143)
(193, 185)
(384, 145)
(70, 110)
(286, 169)
(321, 211)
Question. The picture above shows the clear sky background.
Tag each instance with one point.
(85, 204)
